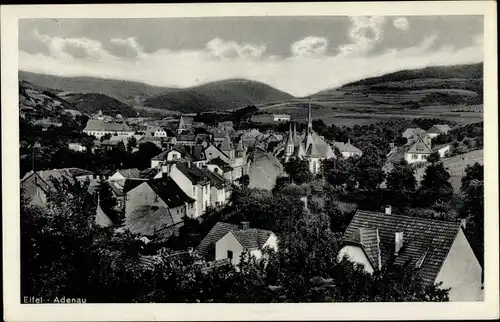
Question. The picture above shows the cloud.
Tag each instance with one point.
(222, 49)
(309, 47)
(365, 32)
(130, 44)
(68, 48)
(298, 75)
(401, 23)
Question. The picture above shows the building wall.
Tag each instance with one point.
(98, 134)
(443, 151)
(117, 176)
(461, 272)
(212, 153)
(160, 134)
(357, 255)
(419, 157)
(228, 242)
(314, 165)
(156, 163)
(173, 155)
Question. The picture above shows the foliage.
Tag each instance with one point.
(401, 180)
(131, 144)
(109, 204)
(472, 172)
(435, 186)
(473, 211)
(298, 170)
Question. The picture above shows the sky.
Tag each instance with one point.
(298, 55)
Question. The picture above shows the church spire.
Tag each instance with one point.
(294, 132)
(309, 118)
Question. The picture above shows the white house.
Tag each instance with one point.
(418, 151)
(229, 241)
(160, 133)
(99, 128)
(281, 118)
(78, 147)
(438, 249)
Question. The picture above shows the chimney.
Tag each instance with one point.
(388, 210)
(245, 225)
(348, 141)
(398, 242)
(304, 200)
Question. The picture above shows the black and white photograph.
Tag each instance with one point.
(251, 159)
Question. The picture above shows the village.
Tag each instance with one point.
(201, 171)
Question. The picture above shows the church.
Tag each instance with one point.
(306, 146)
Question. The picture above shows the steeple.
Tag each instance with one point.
(290, 143)
(295, 133)
(309, 119)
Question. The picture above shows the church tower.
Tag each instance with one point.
(290, 144)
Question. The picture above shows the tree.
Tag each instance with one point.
(401, 180)
(400, 141)
(473, 211)
(106, 136)
(298, 170)
(434, 157)
(143, 156)
(435, 186)
(131, 143)
(472, 172)
(369, 173)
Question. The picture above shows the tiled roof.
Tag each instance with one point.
(101, 219)
(346, 147)
(186, 137)
(193, 173)
(440, 146)
(147, 220)
(170, 192)
(264, 170)
(251, 238)
(149, 173)
(132, 173)
(420, 147)
(420, 235)
(217, 232)
(98, 125)
(215, 179)
(222, 164)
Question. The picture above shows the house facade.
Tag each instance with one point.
(438, 129)
(347, 149)
(98, 128)
(281, 118)
(419, 150)
(437, 248)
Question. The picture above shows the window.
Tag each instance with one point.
(414, 156)
(194, 190)
(230, 254)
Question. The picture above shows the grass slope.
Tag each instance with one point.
(126, 91)
(38, 103)
(217, 96)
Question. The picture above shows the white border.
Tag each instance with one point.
(14, 311)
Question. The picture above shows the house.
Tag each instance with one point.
(193, 181)
(184, 125)
(193, 154)
(229, 241)
(186, 139)
(347, 149)
(36, 185)
(438, 129)
(221, 167)
(156, 207)
(264, 170)
(281, 118)
(443, 149)
(225, 126)
(160, 133)
(220, 189)
(438, 249)
(418, 151)
(99, 128)
(119, 176)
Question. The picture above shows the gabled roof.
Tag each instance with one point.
(132, 173)
(57, 174)
(217, 232)
(192, 172)
(251, 238)
(170, 192)
(98, 125)
(215, 179)
(421, 235)
(221, 163)
(420, 147)
(346, 147)
(440, 146)
(101, 219)
(186, 137)
(188, 153)
(227, 144)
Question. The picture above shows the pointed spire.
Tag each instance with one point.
(290, 135)
(295, 132)
(309, 118)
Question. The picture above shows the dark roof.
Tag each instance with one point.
(186, 137)
(421, 236)
(192, 172)
(439, 128)
(215, 179)
(252, 238)
(217, 232)
(131, 184)
(222, 164)
(149, 173)
(170, 192)
(188, 153)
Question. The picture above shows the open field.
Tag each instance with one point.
(456, 166)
